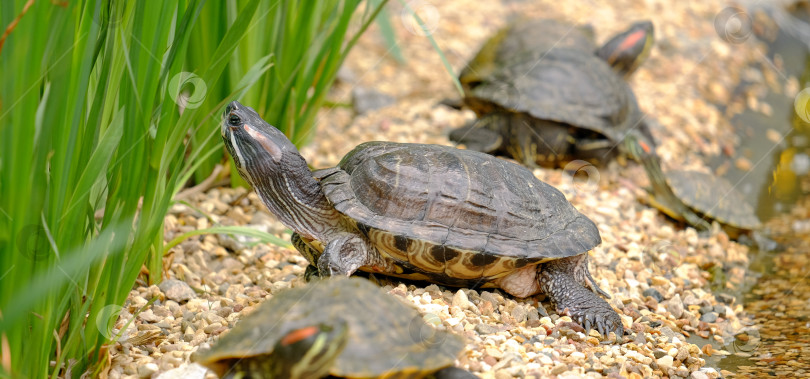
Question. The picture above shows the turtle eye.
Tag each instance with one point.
(234, 120)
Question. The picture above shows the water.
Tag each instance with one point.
(778, 146)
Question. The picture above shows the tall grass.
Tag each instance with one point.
(107, 109)
(306, 50)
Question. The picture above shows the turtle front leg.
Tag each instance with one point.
(558, 279)
(343, 256)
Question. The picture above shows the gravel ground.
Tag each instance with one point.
(660, 275)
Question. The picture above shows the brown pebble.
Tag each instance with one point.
(708, 349)
(490, 360)
(486, 308)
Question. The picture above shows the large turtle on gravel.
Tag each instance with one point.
(427, 212)
(545, 94)
(693, 196)
(341, 327)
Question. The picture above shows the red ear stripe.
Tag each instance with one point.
(644, 146)
(268, 145)
(631, 40)
(298, 335)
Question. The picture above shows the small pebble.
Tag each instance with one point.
(485, 329)
(460, 300)
(177, 290)
(652, 292)
(665, 362)
(709, 317)
(519, 313)
(146, 370)
(675, 306)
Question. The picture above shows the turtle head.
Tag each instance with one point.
(272, 165)
(257, 147)
(308, 352)
(638, 148)
(304, 352)
(629, 49)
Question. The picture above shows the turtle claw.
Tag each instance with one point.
(602, 322)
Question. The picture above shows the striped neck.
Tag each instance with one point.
(295, 197)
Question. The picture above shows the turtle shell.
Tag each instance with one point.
(455, 214)
(565, 85)
(713, 197)
(522, 36)
(386, 337)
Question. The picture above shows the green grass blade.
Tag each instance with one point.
(262, 237)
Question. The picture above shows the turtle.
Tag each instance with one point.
(694, 197)
(544, 93)
(344, 327)
(433, 213)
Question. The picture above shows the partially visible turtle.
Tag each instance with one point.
(345, 327)
(427, 212)
(694, 197)
(624, 52)
(545, 94)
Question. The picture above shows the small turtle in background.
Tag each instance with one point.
(345, 327)
(694, 197)
(545, 94)
(426, 212)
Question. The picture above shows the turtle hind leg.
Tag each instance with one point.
(558, 280)
(583, 275)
